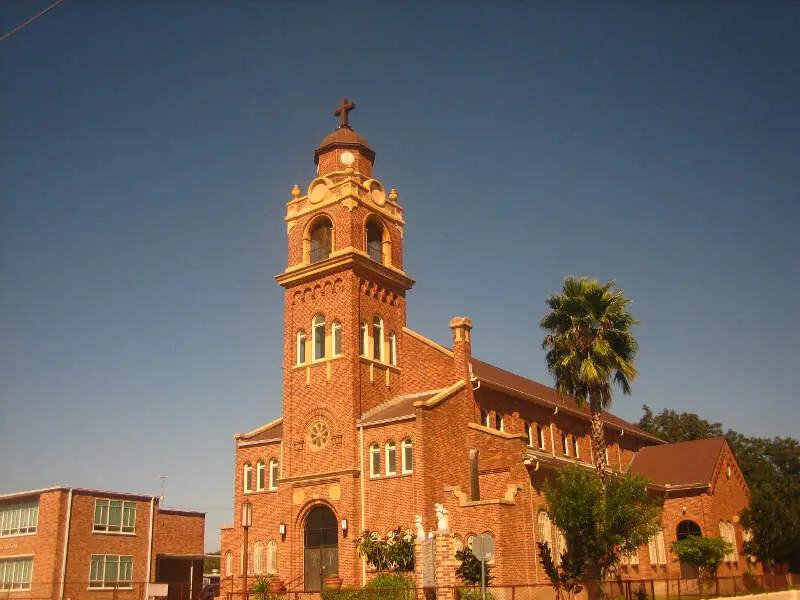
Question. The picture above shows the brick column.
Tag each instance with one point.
(446, 580)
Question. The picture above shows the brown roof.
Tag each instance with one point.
(506, 379)
(273, 433)
(344, 135)
(683, 464)
(396, 408)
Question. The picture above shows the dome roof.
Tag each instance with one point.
(344, 135)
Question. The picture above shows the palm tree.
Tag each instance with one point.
(590, 347)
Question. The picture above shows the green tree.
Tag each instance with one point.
(703, 553)
(600, 526)
(394, 553)
(672, 426)
(469, 569)
(590, 347)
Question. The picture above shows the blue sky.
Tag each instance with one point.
(148, 150)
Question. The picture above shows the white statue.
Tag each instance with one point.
(420, 528)
(441, 517)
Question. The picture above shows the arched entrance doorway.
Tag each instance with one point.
(320, 547)
(684, 530)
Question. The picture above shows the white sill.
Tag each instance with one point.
(125, 533)
(10, 591)
(317, 361)
(112, 588)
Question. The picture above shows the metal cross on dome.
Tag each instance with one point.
(345, 106)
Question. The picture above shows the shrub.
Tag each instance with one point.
(470, 568)
(704, 553)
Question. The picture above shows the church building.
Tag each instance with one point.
(380, 423)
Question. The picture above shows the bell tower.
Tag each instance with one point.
(345, 294)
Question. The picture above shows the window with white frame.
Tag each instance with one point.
(728, 533)
(301, 346)
(114, 516)
(393, 349)
(486, 420)
(261, 470)
(247, 478)
(377, 338)
(19, 519)
(657, 549)
(273, 474)
(374, 460)
(545, 529)
(318, 334)
(575, 446)
(16, 573)
(408, 456)
(229, 563)
(630, 560)
(111, 571)
(336, 335)
(258, 558)
(561, 546)
(391, 458)
(529, 432)
(363, 340)
(498, 421)
(540, 430)
(565, 443)
(272, 556)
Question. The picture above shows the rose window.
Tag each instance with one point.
(318, 434)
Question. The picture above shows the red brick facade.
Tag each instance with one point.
(434, 397)
(62, 570)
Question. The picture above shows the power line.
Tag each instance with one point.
(31, 20)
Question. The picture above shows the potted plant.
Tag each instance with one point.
(333, 582)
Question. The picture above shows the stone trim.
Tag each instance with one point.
(495, 432)
(353, 472)
(441, 396)
(277, 421)
(509, 497)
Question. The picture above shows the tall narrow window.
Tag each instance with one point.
(565, 444)
(391, 458)
(485, 418)
(229, 563)
(498, 421)
(561, 546)
(318, 332)
(657, 549)
(273, 474)
(408, 456)
(336, 334)
(363, 340)
(260, 473)
(374, 460)
(545, 531)
(575, 449)
(529, 432)
(377, 338)
(392, 349)
(321, 241)
(248, 478)
(272, 556)
(258, 558)
(541, 436)
(375, 240)
(301, 346)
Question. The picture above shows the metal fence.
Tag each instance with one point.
(80, 590)
(633, 589)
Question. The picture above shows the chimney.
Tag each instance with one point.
(462, 346)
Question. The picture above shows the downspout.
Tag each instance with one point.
(363, 505)
(533, 526)
(150, 542)
(66, 546)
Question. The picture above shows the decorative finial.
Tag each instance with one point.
(296, 191)
(393, 195)
(345, 106)
(349, 171)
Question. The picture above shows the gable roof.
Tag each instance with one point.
(272, 431)
(508, 381)
(399, 407)
(679, 465)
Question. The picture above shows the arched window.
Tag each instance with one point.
(657, 549)
(375, 240)
(260, 472)
(229, 563)
(258, 558)
(273, 474)
(458, 545)
(392, 349)
(470, 539)
(336, 334)
(272, 557)
(561, 546)
(529, 432)
(363, 342)
(688, 529)
(377, 338)
(321, 241)
(318, 333)
(631, 560)
(391, 458)
(374, 460)
(545, 529)
(301, 346)
(247, 478)
(489, 547)
(408, 456)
